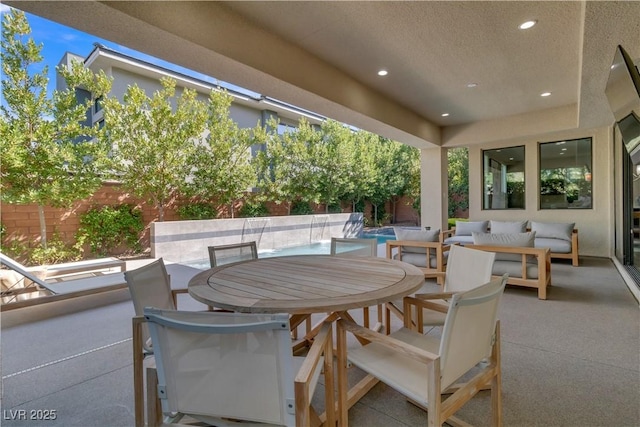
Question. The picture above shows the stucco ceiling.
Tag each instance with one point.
(324, 57)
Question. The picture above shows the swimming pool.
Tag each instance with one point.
(318, 248)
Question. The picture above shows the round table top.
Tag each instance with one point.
(305, 284)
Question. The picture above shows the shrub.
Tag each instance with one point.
(56, 252)
(301, 208)
(335, 208)
(254, 209)
(104, 229)
(451, 222)
(197, 211)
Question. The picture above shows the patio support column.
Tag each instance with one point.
(434, 188)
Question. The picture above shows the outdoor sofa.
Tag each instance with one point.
(561, 238)
(516, 256)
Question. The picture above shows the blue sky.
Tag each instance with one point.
(57, 39)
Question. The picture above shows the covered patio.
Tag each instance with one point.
(571, 360)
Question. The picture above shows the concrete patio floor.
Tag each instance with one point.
(572, 360)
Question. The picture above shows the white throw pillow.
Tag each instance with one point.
(508, 227)
(465, 228)
(553, 230)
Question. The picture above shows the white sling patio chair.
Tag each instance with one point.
(466, 269)
(424, 368)
(149, 285)
(225, 254)
(220, 368)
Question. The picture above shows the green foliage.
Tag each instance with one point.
(154, 140)
(552, 186)
(301, 208)
(334, 208)
(223, 167)
(381, 216)
(56, 252)
(333, 163)
(110, 227)
(458, 159)
(47, 158)
(451, 222)
(3, 231)
(253, 209)
(197, 211)
(287, 164)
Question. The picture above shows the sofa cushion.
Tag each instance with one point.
(502, 227)
(420, 260)
(553, 230)
(514, 269)
(558, 246)
(505, 239)
(462, 240)
(465, 228)
(416, 234)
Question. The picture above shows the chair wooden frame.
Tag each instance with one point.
(320, 354)
(542, 257)
(443, 400)
(140, 349)
(432, 249)
(251, 246)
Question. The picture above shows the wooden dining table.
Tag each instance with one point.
(302, 285)
(305, 284)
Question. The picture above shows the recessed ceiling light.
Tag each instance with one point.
(528, 24)
(383, 72)
(564, 149)
(470, 85)
(445, 114)
(545, 94)
(510, 158)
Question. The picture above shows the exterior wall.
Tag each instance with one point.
(595, 226)
(23, 228)
(181, 241)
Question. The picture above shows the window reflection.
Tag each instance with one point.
(566, 174)
(503, 171)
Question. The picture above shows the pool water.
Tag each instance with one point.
(318, 248)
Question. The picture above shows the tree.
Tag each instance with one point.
(49, 157)
(407, 161)
(391, 177)
(224, 168)
(287, 165)
(333, 163)
(362, 173)
(153, 140)
(458, 160)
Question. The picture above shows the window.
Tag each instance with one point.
(503, 171)
(565, 174)
(97, 105)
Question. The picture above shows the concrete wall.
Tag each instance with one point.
(188, 240)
